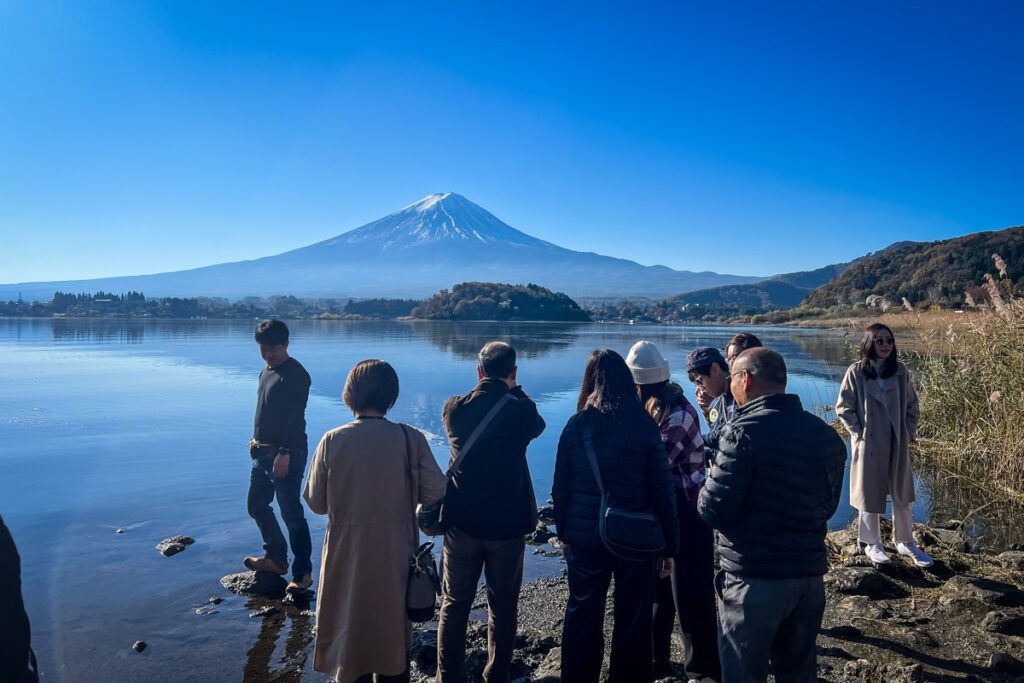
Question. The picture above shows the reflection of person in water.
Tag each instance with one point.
(17, 661)
(296, 645)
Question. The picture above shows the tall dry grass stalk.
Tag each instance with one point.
(971, 382)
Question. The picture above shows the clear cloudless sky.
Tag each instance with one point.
(739, 137)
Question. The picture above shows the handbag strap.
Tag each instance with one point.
(588, 444)
(476, 434)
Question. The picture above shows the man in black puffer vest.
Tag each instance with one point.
(775, 481)
(489, 507)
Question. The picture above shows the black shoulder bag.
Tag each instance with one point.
(423, 585)
(635, 536)
(431, 517)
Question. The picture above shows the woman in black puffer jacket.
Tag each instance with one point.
(635, 472)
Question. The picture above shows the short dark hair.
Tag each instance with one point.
(497, 359)
(745, 340)
(705, 370)
(271, 333)
(371, 385)
(867, 353)
(766, 365)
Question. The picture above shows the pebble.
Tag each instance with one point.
(139, 645)
(174, 545)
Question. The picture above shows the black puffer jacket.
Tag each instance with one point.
(775, 481)
(634, 469)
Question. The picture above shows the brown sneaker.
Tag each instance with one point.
(266, 564)
(300, 584)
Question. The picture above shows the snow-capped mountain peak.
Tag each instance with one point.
(444, 217)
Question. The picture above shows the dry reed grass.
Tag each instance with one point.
(971, 383)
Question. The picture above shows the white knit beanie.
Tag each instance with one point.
(647, 364)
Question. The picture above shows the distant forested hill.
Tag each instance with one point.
(492, 301)
(927, 272)
(764, 295)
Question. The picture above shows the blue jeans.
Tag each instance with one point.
(263, 488)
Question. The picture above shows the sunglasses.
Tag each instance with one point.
(885, 341)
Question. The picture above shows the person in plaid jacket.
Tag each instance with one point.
(689, 591)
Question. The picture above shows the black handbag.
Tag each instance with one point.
(628, 535)
(430, 518)
(423, 585)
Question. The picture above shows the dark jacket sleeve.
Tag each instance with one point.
(721, 500)
(533, 423)
(664, 492)
(295, 422)
(560, 487)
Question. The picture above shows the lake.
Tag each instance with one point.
(143, 425)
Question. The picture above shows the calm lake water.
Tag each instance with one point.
(144, 425)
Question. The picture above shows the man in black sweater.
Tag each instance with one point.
(775, 481)
(17, 661)
(488, 510)
(278, 449)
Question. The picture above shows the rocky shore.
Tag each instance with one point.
(960, 620)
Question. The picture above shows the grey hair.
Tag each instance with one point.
(765, 364)
(497, 359)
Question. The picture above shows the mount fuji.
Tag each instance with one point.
(441, 240)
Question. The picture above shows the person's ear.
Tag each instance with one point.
(479, 373)
(512, 375)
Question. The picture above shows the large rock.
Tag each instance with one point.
(862, 606)
(967, 588)
(540, 535)
(546, 514)
(1001, 622)
(1006, 663)
(265, 584)
(1012, 559)
(550, 670)
(862, 581)
(174, 545)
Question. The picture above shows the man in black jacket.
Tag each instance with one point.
(775, 481)
(488, 510)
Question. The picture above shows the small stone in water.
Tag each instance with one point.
(121, 531)
(216, 600)
(139, 645)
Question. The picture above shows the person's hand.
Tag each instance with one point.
(281, 465)
(703, 398)
(668, 565)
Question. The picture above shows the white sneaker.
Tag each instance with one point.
(877, 554)
(911, 550)
(705, 679)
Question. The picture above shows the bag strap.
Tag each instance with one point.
(476, 434)
(588, 443)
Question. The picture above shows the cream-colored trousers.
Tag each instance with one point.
(869, 529)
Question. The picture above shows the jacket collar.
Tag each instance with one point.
(489, 385)
(785, 402)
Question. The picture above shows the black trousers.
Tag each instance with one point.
(590, 572)
(17, 661)
(690, 592)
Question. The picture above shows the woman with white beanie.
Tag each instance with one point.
(690, 589)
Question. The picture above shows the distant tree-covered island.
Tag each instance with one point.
(494, 301)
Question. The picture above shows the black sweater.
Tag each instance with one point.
(491, 496)
(281, 406)
(775, 481)
(634, 469)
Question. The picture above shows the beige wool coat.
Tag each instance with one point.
(882, 423)
(360, 480)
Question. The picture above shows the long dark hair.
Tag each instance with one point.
(607, 384)
(868, 355)
(660, 398)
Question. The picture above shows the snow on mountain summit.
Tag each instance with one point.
(444, 217)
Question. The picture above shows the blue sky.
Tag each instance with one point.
(749, 138)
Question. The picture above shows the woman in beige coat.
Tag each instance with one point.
(368, 476)
(878, 406)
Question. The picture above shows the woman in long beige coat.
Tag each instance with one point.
(878, 406)
(368, 476)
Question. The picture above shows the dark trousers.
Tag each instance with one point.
(774, 620)
(17, 661)
(263, 488)
(690, 592)
(461, 563)
(590, 571)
